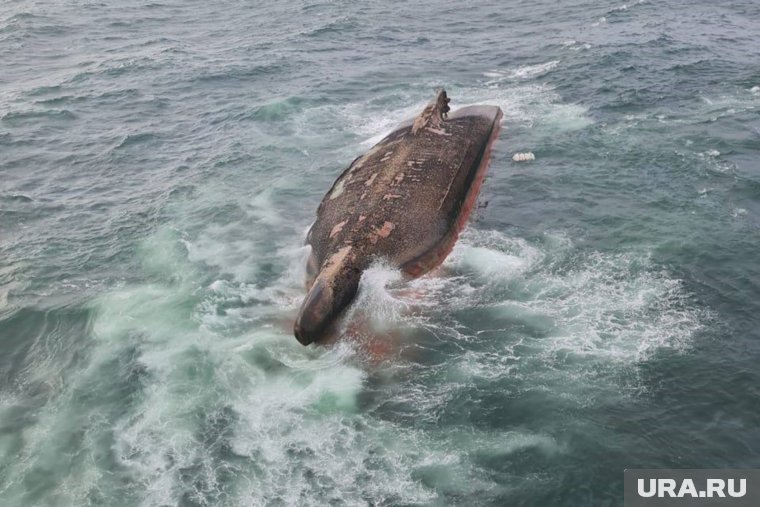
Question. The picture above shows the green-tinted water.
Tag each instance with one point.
(160, 164)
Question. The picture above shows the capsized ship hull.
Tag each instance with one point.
(405, 201)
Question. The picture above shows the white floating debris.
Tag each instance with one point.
(755, 89)
(523, 157)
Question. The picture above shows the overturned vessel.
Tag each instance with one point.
(405, 201)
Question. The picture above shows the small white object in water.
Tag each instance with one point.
(755, 89)
(523, 157)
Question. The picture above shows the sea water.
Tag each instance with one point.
(160, 163)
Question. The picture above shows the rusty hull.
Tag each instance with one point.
(404, 201)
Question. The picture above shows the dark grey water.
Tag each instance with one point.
(160, 163)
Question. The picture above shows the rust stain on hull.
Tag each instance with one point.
(379, 210)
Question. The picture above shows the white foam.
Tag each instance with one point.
(531, 71)
(522, 72)
(536, 107)
(710, 160)
(236, 247)
(612, 308)
(291, 415)
(721, 106)
(360, 118)
(493, 256)
(573, 45)
(294, 409)
(532, 106)
(375, 298)
(377, 126)
(606, 313)
(5, 290)
(158, 440)
(624, 7)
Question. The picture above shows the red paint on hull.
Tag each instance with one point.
(435, 256)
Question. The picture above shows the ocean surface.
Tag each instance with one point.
(160, 163)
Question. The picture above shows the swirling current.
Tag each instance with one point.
(161, 161)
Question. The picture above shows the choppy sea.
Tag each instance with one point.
(160, 163)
